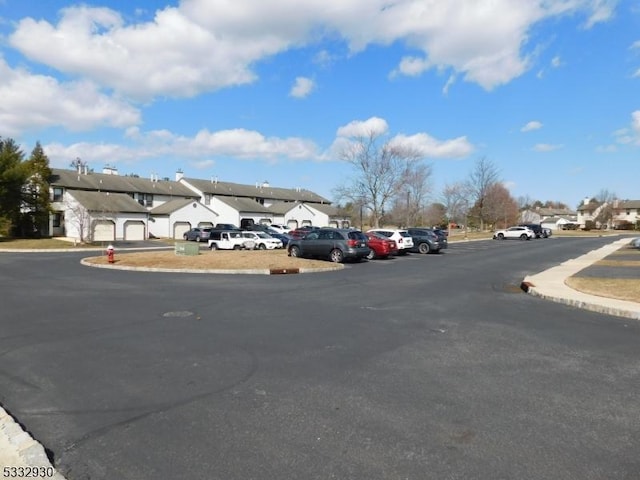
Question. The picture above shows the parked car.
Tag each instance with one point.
(403, 240)
(197, 234)
(635, 243)
(546, 232)
(380, 246)
(522, 233)
(263, 241)
(537, 229)
(226, 226)
(226, 240)
(282, 229)
(302, 231)
(335, 244)
(283, 237)
(425, 240)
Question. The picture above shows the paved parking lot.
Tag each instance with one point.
(424, 367)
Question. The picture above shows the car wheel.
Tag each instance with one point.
(294, 252)
(262, 246)
(523, 237)
(424, 248)
(500, 236)
(237, 247)
(213, 246)
(184, 237)
(198, 239)
(336, 255)
(371, 255)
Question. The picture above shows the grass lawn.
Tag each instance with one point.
(214, 260)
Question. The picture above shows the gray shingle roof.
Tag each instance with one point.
(629, 204)
(243, 204)
(273, 193)
(171, 206)
(117, 183)
(107, 202)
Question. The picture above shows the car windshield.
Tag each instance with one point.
(235, 234)
(357, 236)
(404, 234)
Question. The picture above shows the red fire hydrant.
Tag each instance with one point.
(110, 254)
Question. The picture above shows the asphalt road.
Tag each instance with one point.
(424, 367)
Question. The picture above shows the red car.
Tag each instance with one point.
(381, 246)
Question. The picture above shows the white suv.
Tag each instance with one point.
(404, 241)
(263, 241)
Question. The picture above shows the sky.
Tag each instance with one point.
(251, 91)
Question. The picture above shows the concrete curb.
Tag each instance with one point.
(550, 285)
(71, 250)
(254, 271)
(21, 454)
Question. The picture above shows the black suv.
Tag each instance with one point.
(537, 229)
(425, 240)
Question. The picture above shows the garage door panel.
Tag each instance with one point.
(180, 228)
(104, 231)
(134, 230)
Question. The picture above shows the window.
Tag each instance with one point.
(207, 199)
(145, 199)
(57, 220)
(57, 194)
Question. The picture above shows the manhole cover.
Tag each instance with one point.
(179, 314)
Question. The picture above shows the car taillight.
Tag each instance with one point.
(352, 243)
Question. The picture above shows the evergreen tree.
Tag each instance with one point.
(13, 175)
(36, 201)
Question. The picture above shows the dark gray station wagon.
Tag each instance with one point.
(336, 244)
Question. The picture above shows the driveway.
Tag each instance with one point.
(424, 367)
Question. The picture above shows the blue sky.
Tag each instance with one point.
(246, 91)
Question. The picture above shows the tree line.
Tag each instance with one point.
(24, 190)
(391, 184)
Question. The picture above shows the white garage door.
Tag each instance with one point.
(134, 230)
(179, 228)
(104, 231)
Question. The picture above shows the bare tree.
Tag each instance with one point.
(380, 172)
(79, 217)
(456, 200)
(605, 215)
(483, 176)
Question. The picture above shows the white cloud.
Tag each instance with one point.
(547, 147)
(302, 87)
(357, 128)
(631, 134)
(238, 143)
(423, 143)
(204, 45)
(601, 11)
(429, 147)
(556, 62)
(32, 102)
(533, 125)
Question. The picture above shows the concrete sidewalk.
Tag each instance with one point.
(550, 285)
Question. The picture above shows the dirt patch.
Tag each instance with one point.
(622, 289)
(214, 260)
